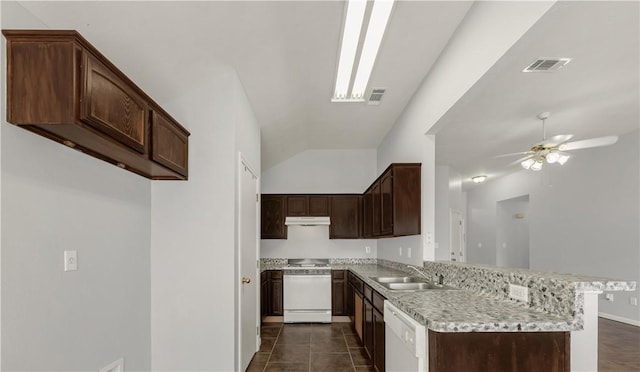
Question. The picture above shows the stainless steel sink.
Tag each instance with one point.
(398, 279)
(424, 286)
(408, 283)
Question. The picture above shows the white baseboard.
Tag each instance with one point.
(619, 319)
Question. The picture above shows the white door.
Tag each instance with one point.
(457, 236)
(249, 277)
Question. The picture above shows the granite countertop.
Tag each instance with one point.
(455, 310)
(461, 310)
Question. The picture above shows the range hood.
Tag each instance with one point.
(307, 221)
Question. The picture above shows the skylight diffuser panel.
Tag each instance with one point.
(350, 37)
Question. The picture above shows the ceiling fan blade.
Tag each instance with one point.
(520, 160)
(555, 140)
(514, 154)
(592, 142)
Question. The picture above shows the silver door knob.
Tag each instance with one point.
(246, 280)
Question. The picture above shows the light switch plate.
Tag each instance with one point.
(70, 260)
(518, 292)
(409, 252)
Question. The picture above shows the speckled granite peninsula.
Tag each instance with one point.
(481, 302)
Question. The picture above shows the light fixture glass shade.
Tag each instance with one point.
(563, 159)
(527, 163)
(552, 157)
(479, 179)
(350, 38)
(537, 165)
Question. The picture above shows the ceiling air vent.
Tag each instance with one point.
(376, 96)
(547, 64)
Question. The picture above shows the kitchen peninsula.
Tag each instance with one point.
(559, 312)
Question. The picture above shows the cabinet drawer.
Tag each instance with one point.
(378, 302)
(275, 274)
(356, 282)
(368, 293)
(111, 106)
(338, 274)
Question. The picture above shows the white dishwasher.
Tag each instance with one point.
(405, 342)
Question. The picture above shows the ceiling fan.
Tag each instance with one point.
(554, 149)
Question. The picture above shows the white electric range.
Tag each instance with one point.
(307, 291)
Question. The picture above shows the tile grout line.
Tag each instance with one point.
(273, 347)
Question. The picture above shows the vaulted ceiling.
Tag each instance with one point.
(285, 54)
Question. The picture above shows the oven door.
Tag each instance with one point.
(307, 298)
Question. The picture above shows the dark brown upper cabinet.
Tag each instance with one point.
(61, 87)
(346, 217)
(273, 208)
(396, 201)
(308, 205)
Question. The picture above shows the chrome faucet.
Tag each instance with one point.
(440, 277)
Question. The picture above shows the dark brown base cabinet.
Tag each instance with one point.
(499, 351)
(271, 293)
(60, 87)
(366, 309)
(339, 292)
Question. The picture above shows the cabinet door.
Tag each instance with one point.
(367, 328)
(275, 292)
(378, 341)
(376, 206)
(297, 205)
(367, 214)
(386, 209)
(318, 205)
(345, 217)
(111, 106)
(406, 199)
(170, 145)
(264, 294)
(338, 292)
(272, 217)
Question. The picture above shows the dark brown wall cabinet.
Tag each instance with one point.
(499, 351)
(394, 208)
(308, 205)
(346, 217)
(339, 292)
(271, 293)
(273, 208)
(61, 87)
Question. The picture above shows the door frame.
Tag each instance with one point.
(243, 164)
(463, 236)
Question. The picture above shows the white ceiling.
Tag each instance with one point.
(596, 94)
(285, 54)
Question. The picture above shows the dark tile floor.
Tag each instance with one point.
(310, 347)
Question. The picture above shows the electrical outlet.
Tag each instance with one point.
(633, 301)
(518, 292)
(408, 252)
(400, 251)
(70, 260)
(609, 297)
(367, 249)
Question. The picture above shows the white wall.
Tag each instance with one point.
(193, 232)
(483, 37)
(584, 217)
(512, 232)
(448, 197)
(320, 172)
(56, 199)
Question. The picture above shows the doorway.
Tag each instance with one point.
(248, 270)
(512, 232)
(457, 236)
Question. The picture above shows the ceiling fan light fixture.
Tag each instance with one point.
(527, 163)
(479, 179)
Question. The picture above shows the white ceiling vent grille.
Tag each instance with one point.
(547, 64)
(376, 96)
